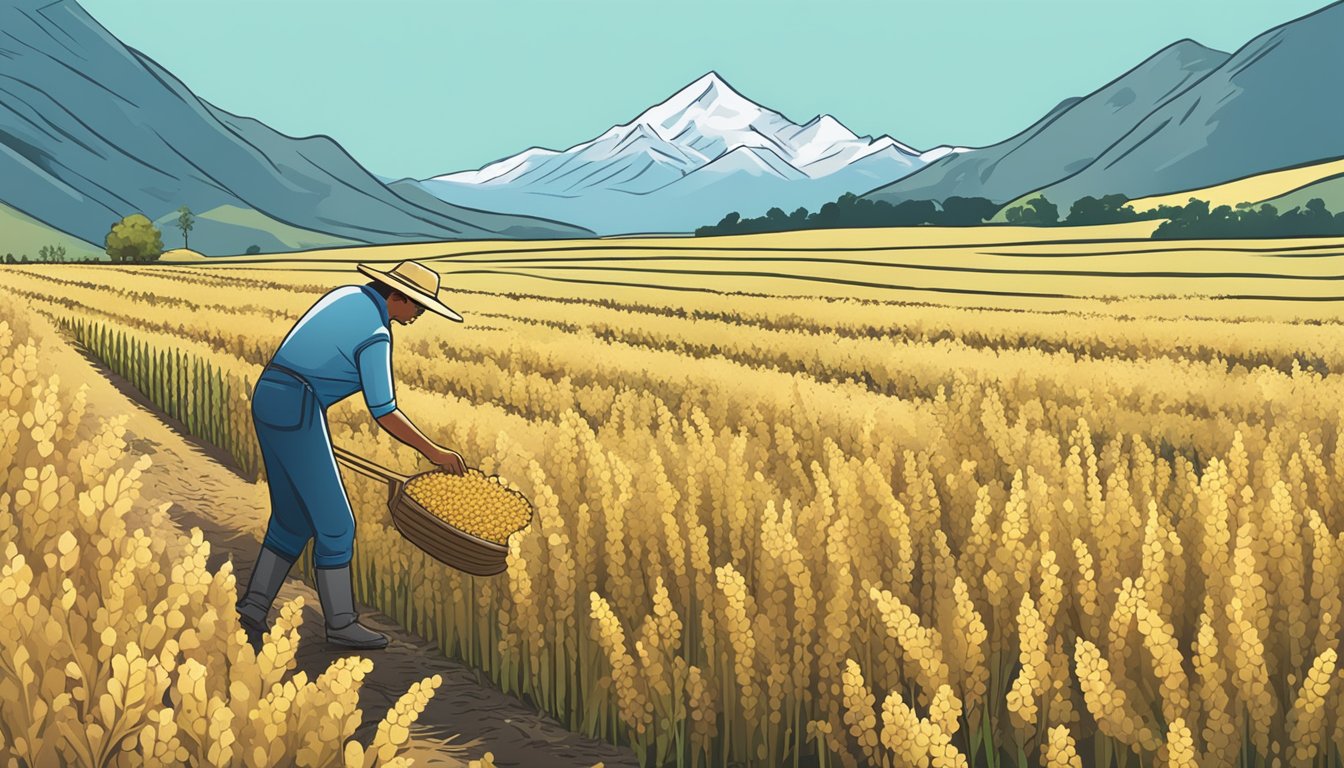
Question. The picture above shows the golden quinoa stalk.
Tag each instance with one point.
(914, 741)
(1220, 735)
(921, 645)
(970, 637)
(1107, 703)
(1167, 662)
(1179, 749)
(635, 707)
(860, 715)
(1306, 720)
(394, 730)
(1060, 749)
(945, 710)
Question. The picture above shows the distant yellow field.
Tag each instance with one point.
(826, 239)
(1057, 269)
(1253, 189)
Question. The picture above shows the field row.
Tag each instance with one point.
(787, 378)
(1006, 267)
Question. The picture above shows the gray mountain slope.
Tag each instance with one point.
(1066, 140)
(91, 131)
(1275, 103)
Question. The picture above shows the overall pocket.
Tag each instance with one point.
(280, 404)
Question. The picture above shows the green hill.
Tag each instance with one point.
(228, 230)
(21, 234)
(1331, 190)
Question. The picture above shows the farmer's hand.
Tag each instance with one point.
(449, 461)
(402, 429)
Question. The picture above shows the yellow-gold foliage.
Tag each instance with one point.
(118, 647)
(1105, 530)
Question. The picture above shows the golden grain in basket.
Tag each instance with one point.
(473, 502)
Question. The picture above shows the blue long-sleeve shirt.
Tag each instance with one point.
(343, 344)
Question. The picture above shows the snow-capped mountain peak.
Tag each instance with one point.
(826, 128)
(884, 141)
(818, 139)
(701, 122)
(709, 104)
(738, 152)
(941, 151)
(501, 170)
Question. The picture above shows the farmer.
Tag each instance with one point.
(342, 345)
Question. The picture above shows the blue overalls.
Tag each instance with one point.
(343, 344)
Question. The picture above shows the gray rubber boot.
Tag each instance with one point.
(268, 575)
(336, 591)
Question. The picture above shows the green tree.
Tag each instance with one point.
(51, 253)
(829, 215)
(184, 223)
(727, 225)
(134, 238)
(1315, 210)
(1036, 212)
(1197, 220)
(909, 213)
(1046, 212)
(1109, 209)
(966, 211)
(1086, 210)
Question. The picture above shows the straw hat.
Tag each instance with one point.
(415, 281)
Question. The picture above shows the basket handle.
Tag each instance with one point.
(368, 468)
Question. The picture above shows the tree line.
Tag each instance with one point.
(45, 254)
(1196, 220)
(133, 238)
(1193, 220)
(136, 239)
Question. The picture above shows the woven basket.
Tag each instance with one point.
(442, 541)
(422, 528)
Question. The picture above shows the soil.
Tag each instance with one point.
(468, 715)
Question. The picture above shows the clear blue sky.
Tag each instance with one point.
(422, 87)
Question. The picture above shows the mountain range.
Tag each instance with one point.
(1187, 117)
(685, 162)
(91, 131)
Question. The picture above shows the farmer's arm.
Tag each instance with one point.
(401, 428)
(375, 373)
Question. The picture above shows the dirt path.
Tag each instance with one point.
(467, 717)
